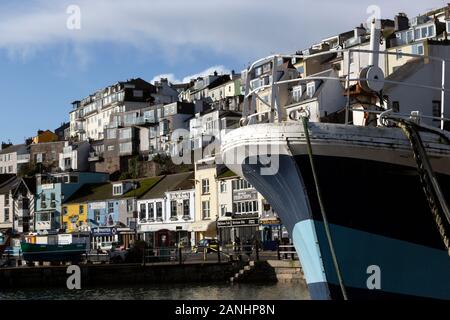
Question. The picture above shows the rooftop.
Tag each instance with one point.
(104, 191)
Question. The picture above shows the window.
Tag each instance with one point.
(223, 210)
(424, 32)
(436, 109)
(97, 215)
(143, 211)
(399, 54)
(241, 184)
(43, 201)
(126, 147)
(81, 209)
(297, 93)
(173, 208)
(6, 214)
(431, 31)
(110, 148)
(110, 207)
(223, 186)
(186, 207)
(258, 71)
(73, 179)
(245, 207)
(409, 36)
(129, 205)
(125, 134)
(151, 211)
(138, 93)
(351, 57)
(266, 68)
(6, 200)
(417, 49)
(111, 134)
(159, 210)
(117, 190)
(10, 169)
(206, 214)
(311, 89)
(205, 186)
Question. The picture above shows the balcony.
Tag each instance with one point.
(114, 124)
(139, 121)
(23, 158)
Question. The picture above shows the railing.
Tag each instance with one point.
(21, 158)
(252, 94)
(287, 251)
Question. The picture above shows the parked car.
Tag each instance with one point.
(210, 245)
(105, 246)
(117, 253)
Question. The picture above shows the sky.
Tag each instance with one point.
(53, 52)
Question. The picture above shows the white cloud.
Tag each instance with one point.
(172, 78)
(242, 29)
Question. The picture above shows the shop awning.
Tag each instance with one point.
(202, 226)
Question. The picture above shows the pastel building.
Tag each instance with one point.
(51, 192)
(108, 210)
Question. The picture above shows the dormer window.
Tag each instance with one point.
(117, 190)
(297, 92)
(311, 89)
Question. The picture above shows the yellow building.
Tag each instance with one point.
(74, 217)
(393, 62)
(45, 136)
(206, 202)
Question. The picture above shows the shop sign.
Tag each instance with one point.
(102, 231)
(98, 205)
(270, 221)
(238, 222)
(245, 195)
(179, 196)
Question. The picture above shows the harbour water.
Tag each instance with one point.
(224, 291)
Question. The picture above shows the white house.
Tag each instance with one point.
(75, 156)
(167, 210)
(318, 98)
(11, 158)
(7, 186)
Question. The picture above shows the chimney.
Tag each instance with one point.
(359, 31)
(401, 22)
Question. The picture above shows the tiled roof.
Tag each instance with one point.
(173, 182)
(12, 149)
(103, 191)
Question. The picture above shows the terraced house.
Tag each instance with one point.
(167, 210)
(107, 210)
(52, 190)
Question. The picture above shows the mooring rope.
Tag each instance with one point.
(322, 208)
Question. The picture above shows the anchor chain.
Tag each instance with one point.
(435, 199)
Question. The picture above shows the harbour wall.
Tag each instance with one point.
(118, 274)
